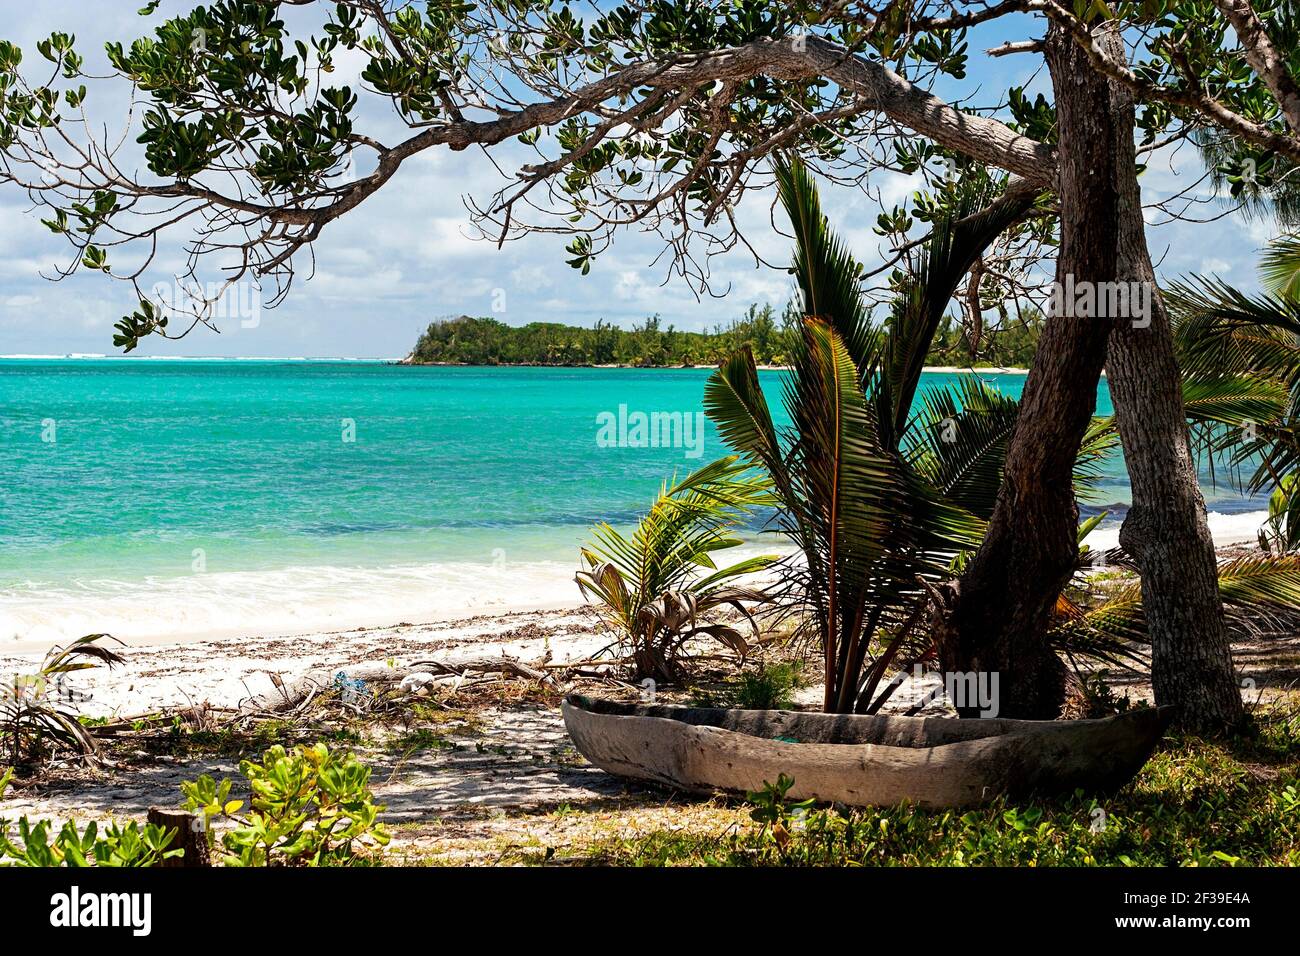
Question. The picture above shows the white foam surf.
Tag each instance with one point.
(270, 603)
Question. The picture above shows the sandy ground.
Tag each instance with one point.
(517, 760)
(505, 780)
(226, 672)
(502, 784)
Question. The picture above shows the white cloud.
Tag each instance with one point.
(630, 287)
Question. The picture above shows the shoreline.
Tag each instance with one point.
(373, 620)
(934, 369)
(407, 361)
(225, 670)
(261, 605)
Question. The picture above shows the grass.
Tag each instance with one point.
(769, 686)
(418, 740)
(1196, 803)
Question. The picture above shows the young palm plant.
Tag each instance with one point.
(885, 495)
(873, 529)
(659, 587)
(35, 709)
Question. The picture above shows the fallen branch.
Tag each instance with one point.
(296, 696)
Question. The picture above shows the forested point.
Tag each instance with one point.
(469, 340)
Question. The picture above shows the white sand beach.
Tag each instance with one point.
(225, 669)
(224, 672)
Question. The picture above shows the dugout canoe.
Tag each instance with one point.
(933, 762)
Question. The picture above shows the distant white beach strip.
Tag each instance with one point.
(314, 600)
(1240, 528)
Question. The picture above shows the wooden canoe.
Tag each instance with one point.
(932, 762)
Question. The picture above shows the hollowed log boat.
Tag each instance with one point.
(931, 762)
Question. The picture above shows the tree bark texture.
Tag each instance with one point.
(1165, 530)
(998, 612)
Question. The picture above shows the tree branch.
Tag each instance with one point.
(1264, 58)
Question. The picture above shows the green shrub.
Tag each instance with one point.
(309, 807)
(771, 687)
(114, 846)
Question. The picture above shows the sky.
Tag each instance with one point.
(406, 256)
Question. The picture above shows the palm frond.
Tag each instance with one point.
(958, 442)
(1262, 591)
(1234, 400)
(1280, 267)
(61, 660)
(32, 712)
(826, 274)
(1220, 330)
(734, 402)
(1256, 592)
(648, 584)
(957, 240)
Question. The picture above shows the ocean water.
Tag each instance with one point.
(175, 498)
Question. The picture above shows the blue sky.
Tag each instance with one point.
(406, 256)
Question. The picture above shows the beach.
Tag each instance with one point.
(225, 672)
(226, 669)
(243, 528)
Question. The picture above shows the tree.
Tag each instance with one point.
(875, 534)
(883, 498)
(660, 116)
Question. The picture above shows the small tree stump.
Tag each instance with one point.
(190, 836)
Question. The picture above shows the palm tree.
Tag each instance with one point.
(1250, 344)
(649, 584)
(874, 534)
(884, 499)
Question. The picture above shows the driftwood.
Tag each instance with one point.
(491, 665)
(202, 716)
(297, 695)
(190, 836)
(382, 683)
(860, 760)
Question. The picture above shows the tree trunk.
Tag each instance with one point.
(1165, 529)
(974, 313)
(190, 836)
(998, 612)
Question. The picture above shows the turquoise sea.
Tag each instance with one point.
(158, 497)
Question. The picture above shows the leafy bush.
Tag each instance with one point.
(1090, 696)
(310, 807)
(131, 845)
